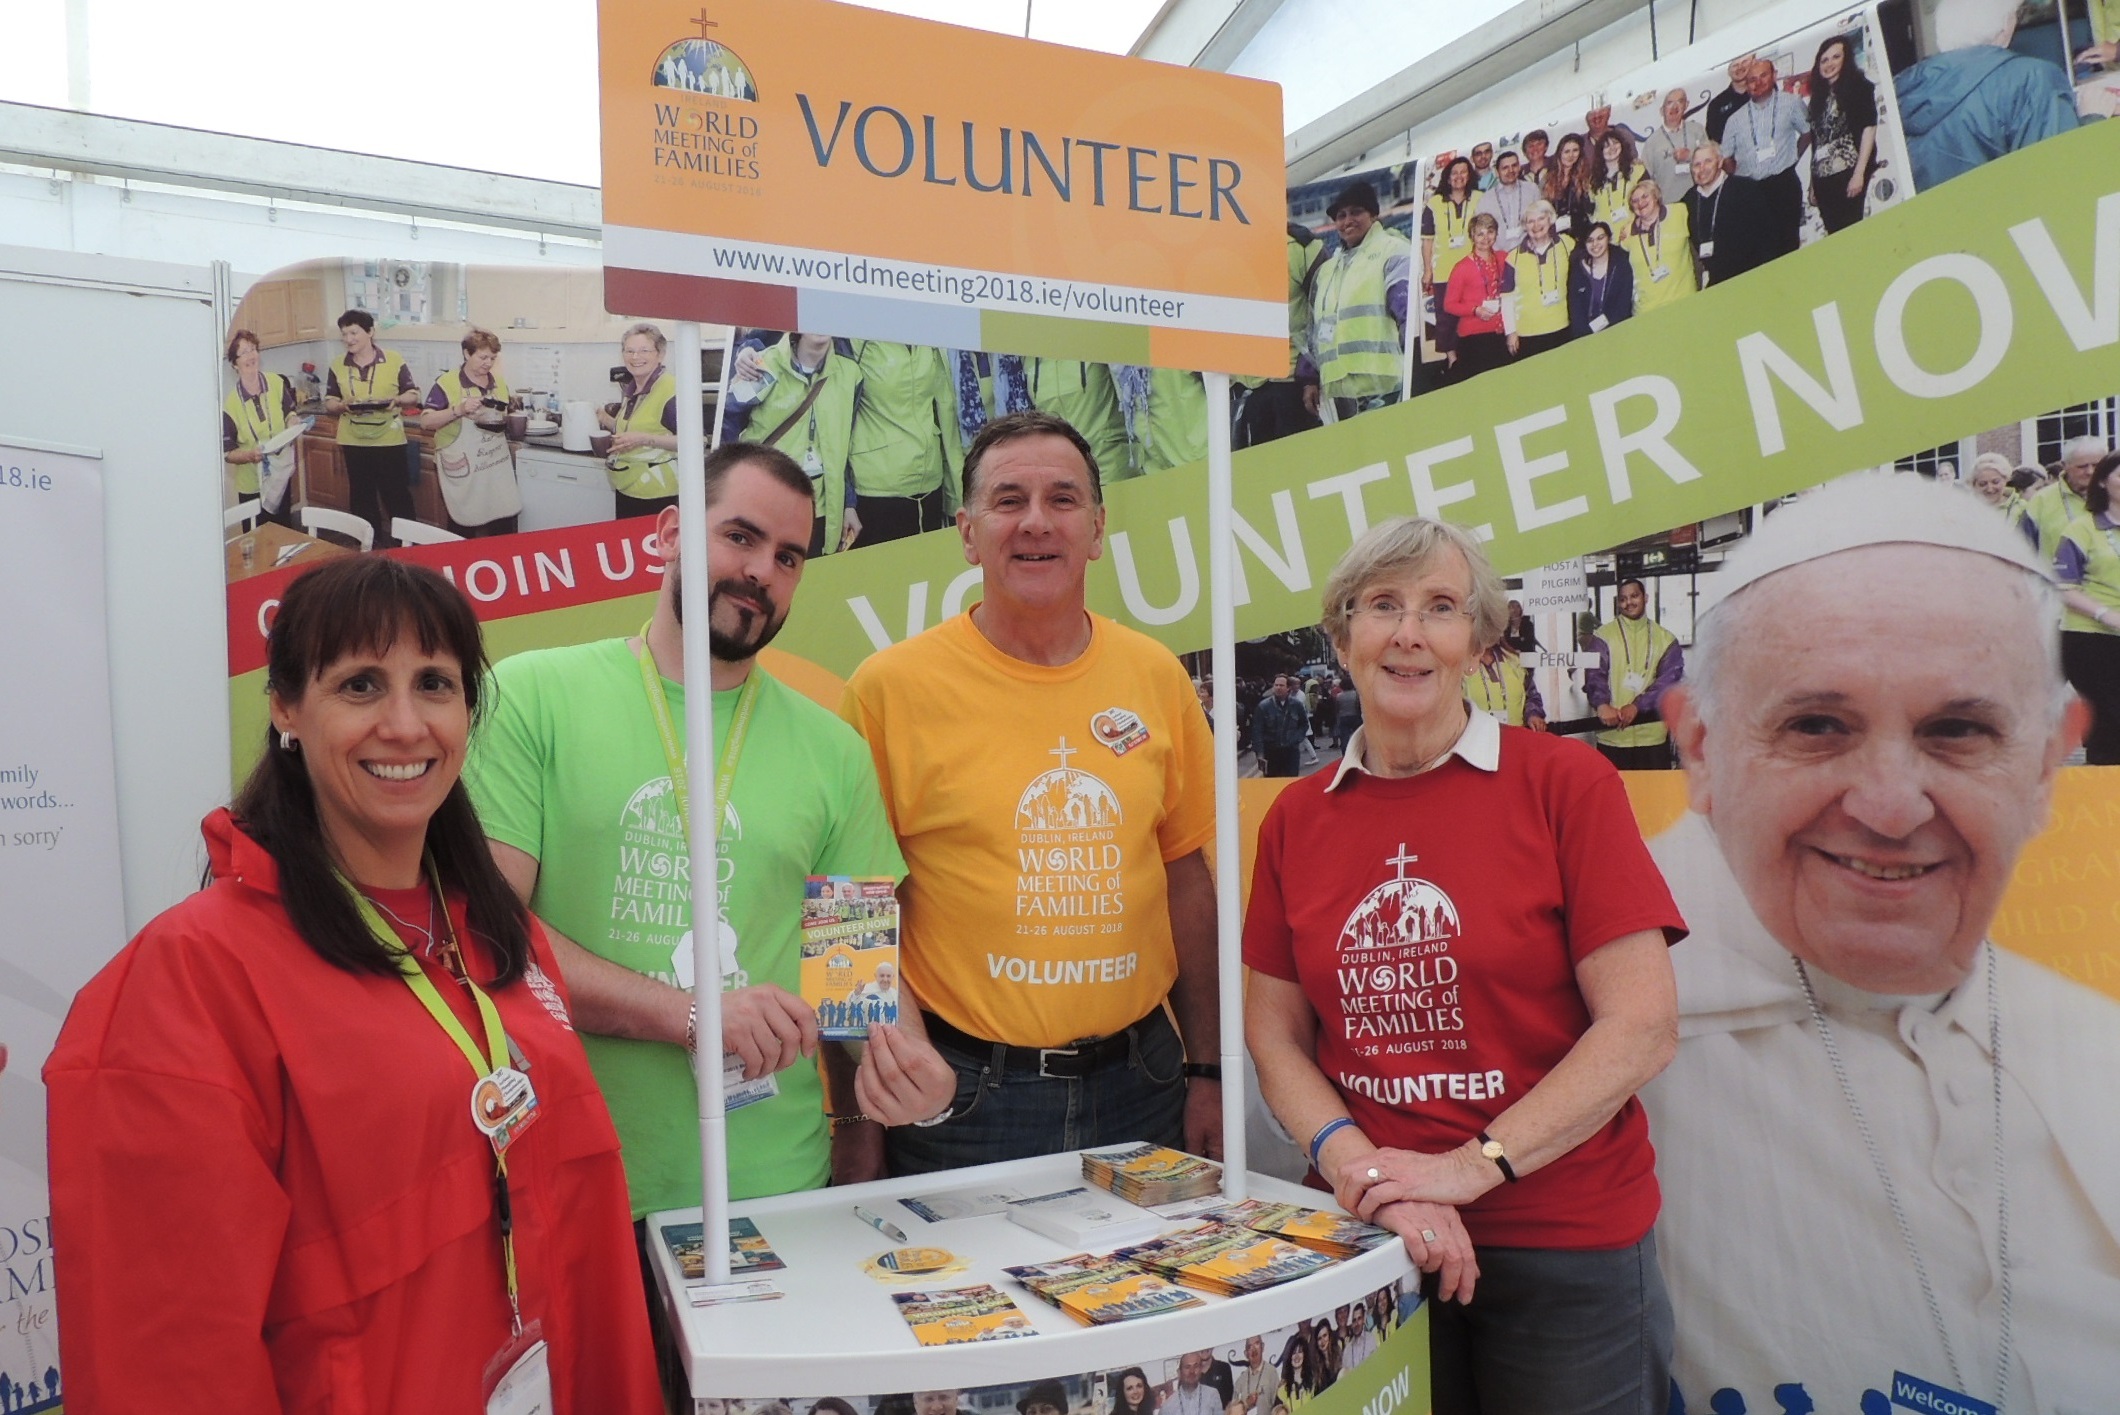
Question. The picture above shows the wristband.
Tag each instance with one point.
(1491, 1148)
(692, 1028)
(1326, 1132)
(1203, 1071)
(934, 1120)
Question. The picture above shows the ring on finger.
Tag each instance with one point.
(1428, 1235)
(1374, 1174)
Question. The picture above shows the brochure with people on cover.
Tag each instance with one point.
(850, 953)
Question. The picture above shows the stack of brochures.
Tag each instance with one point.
(1085, 1218)
(748, 1251)
(955, 1315)
(1098, 1291)
(1333, 1234)
(1228, 1259)
(1149, 1175)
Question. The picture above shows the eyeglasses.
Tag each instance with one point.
(1389, 614)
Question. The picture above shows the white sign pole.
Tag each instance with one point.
(705, 826)
(1229, 924)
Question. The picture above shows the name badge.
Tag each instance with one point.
(519, 1378)
(1457, 242)
(1707, 250)
(1563, 223)
(1549, 297)
(1597, 322)
(1634, 682)
(736, 1093)
(1660, 272)
(503, 1106)
(1119, 729)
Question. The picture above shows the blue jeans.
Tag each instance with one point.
(1555, 1332)
(1004, 1114)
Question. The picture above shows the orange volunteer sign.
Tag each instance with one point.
(801, 164)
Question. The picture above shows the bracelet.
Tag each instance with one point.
(1491, 1148)
(1326, 1132)
(842, 1119)
(692, 1028)
(934, 1120)
(1203, 1071)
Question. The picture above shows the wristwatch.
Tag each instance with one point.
(1491, 1148)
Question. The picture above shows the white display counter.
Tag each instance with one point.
(838, 1333)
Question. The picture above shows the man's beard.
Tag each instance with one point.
(728, 647)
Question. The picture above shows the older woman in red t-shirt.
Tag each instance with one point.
(1458, 981)
(1482, 295)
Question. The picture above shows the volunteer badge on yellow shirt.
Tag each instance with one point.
(1120, 729)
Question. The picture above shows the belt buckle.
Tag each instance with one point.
(1047, 1053)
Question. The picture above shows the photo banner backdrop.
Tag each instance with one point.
(917, 181)
(1970, 317)
(1993, 298)
(64, 913)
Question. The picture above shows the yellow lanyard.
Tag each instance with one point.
(1654, 255)
(258, 425)
(1454, 218)
(496, 1057)
(634, 399)
(739, 728)
(1552, 247)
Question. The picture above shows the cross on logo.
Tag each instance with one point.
(1401, 860)
(1063, 752)
(704, 23)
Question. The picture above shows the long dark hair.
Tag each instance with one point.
(1853, 90)
(1306, 1382)
(2097, 499)
(1602, 175)
(1576, 183)
(1472, 178)
(353, 605)
(1120, 1404)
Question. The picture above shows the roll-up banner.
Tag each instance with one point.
(58, 854)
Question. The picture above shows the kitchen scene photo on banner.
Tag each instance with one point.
(376, 403)
(1680, 177)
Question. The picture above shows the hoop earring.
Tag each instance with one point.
(288, 742)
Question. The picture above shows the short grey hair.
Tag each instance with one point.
(1964, 24)
(1410, 545)
(1541, 205)
(2074, 445)
(650, 330)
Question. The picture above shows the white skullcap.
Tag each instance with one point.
(1876, 508)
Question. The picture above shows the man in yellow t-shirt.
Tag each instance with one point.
(1059, 929)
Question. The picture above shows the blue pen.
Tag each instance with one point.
(889, 1230)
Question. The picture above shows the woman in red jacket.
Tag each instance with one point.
(322, 1136)
(1482, 295)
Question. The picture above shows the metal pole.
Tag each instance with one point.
(705, 825)
(1222, 631)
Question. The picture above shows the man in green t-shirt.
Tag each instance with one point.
(574, 783)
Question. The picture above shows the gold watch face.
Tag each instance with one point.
(1492, 1149)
